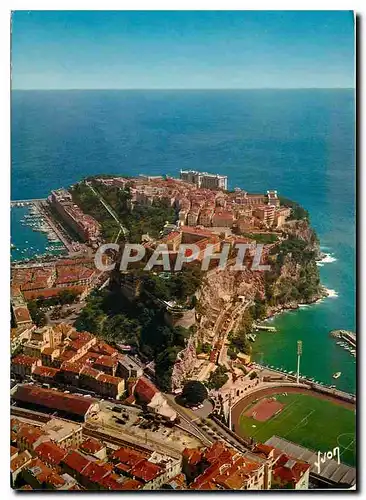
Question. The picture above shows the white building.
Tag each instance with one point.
(204, 179)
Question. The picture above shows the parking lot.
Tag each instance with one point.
(135, 422)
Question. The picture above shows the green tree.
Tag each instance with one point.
(259, 308)
(67, 296)
(38, 316)
(297, 211)
(218, 378)
(164, 366)
(194, 392)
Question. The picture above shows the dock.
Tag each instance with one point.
(25, 203)
(41, 205)
(265, 328)
(346, 335)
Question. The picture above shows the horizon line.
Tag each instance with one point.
(182, 89)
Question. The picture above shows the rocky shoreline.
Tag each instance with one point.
(276, 310)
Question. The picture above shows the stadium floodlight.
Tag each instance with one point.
(299, 347)
(299, 353)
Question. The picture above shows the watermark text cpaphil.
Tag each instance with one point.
(186, 253)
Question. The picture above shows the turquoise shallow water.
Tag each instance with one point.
(28, 243)
(299, 142)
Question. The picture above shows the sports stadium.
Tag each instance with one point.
(314, 420)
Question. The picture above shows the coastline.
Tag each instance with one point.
(292, 306)
(324, 258)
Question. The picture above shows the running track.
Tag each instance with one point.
(240, 406)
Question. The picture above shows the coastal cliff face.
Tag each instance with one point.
(294, 276)
(222, 290)
(292, 280)
(302, 230)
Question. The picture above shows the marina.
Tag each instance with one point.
(32, 234)
(347, 340)
(25, 203)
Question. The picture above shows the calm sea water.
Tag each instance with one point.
(300, 142)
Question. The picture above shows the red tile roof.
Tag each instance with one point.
(84, 336)
(192, 455)
(73, 274)
(89, 372)
(76, 461)
(196, 230)
(30, 433)
(132, 484)
(145, 390)
(226, 468)
(50, 453)
(146, 471)
(263, 449)
(66, 355)
(172, 235)
(46, 371)
(52, 292)
(55, 400)
(103, 348)
(47, 351)
(289, 470)
(69, 367)
(112, 482)
(109, 379)
(95, 472)
(223, 215)
(91, 445)
(106, 361)
(20, 460)
(39, 470)
(22, 314)
(22, 359)
(128, 457)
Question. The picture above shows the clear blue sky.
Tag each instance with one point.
(183, 49)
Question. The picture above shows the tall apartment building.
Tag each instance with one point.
(265, 213)
(84, 225)
(204, 179)
(273, 198)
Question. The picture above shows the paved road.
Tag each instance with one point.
(212, 433)
(188, 419)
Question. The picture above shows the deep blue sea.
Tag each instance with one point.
(300, 142)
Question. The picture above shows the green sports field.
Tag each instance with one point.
(311, 422)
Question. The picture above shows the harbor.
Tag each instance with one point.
(33, 233)
(346, 340)
(25, 203)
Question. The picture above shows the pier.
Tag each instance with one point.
(56, 229)
(25, 203)
(41, 205)
(265, 328)
(346, 335)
